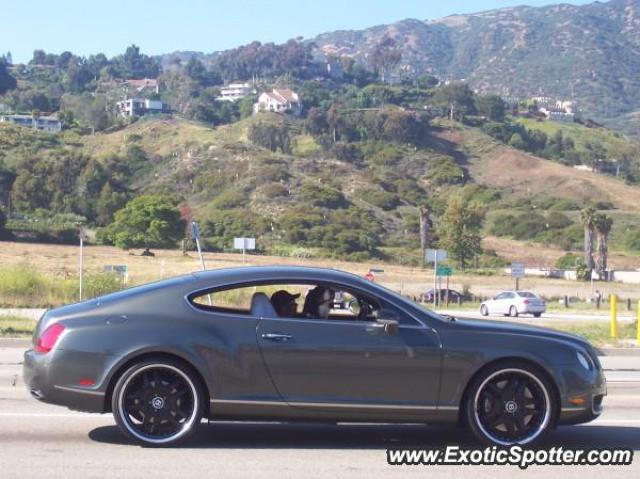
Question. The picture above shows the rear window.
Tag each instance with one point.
(526, 294)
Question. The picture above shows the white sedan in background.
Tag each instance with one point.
(513, 303)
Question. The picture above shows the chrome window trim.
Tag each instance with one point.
(421, 324)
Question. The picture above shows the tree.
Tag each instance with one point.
(457, 97)
(7, 82)
(385, 56)
(425, 231)
(272, 137)
(603, 225)
(3, 221)
(460, 229)
(146, 221)
(134, 64)
(588, 218)
(490, 106)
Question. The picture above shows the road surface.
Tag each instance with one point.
(43, 441)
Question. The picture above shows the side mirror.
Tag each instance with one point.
(354, 307)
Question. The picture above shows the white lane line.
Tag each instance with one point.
(45, 414)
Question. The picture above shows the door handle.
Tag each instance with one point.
(278, 337)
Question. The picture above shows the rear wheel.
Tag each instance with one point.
(157, 402)
(513, 312)
(537, 315)
(484, 311)
(510, 403)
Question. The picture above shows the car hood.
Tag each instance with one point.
(505, 327)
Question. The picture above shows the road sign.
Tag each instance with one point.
(244, 243)
(517, 270)
(434, 255)
(195, 231)
(444, 271)
(118, 269)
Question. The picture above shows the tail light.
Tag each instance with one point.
(49, 338)
(526, 301)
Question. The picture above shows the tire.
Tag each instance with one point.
(537, 315)
(158, 402)
(513, 312)
(484, 311)
(497, 398)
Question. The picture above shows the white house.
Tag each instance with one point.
(140, 107)
(49, 124)
(279, 100)
(235, 91)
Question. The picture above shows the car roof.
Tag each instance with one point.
(275, 272)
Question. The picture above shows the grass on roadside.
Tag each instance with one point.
(22, 286)
(16, 326)
(598, 333)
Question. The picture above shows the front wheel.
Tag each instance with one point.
(484, 311)
(510, 403)
(157, 402)
(537, 315)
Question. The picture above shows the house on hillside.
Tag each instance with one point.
(49, 124)
(279, 100)
(140, 85)
(140, 107)
(235, 91)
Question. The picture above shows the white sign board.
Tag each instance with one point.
(244, 243)
(517, 270)
(434, 255)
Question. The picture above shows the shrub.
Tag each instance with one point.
(382, 199)
(322, 196)
(568, 261)
(274, 190)
(230, 199)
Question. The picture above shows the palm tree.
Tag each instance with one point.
(587, 218)
(603, 224)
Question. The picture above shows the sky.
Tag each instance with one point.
(163, 26)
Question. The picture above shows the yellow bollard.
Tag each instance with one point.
(614, 316)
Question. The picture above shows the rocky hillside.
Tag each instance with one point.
(589, 53)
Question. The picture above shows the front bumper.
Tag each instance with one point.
(589, 386)
(53, 378)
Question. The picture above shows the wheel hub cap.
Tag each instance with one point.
(157, 402)
(511, 407)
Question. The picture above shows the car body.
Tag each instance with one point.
(453, 295)
(514, 303)
(162, 355)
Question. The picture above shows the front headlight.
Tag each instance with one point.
(585, 361)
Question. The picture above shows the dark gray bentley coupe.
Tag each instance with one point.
(267, 343)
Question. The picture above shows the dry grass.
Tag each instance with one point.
(516, 172)
(56, 261)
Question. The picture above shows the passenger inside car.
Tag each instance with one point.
(285, 303)
(317, 303)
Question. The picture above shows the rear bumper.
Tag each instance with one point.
(530, 309)
(53, 378)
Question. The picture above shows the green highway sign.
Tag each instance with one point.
(444, 271)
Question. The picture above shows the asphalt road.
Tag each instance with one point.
(43, 441)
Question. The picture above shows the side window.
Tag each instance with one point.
(239, 300)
